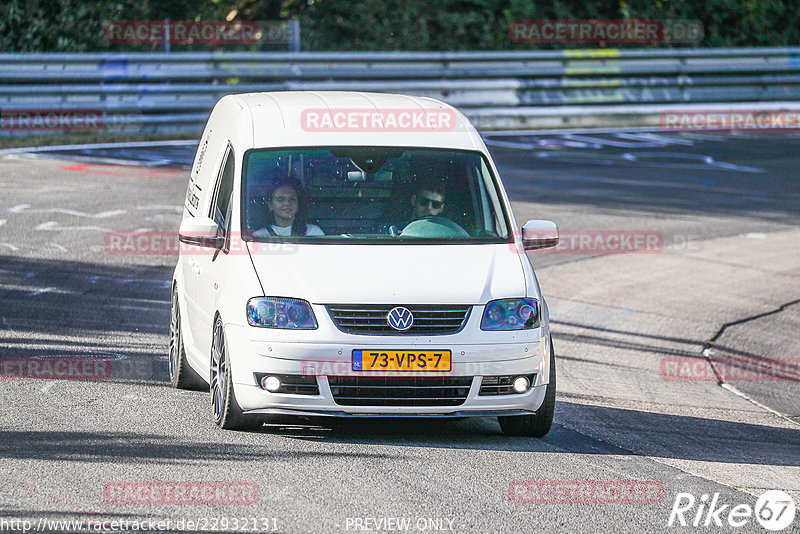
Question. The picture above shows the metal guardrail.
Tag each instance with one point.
(175, 92)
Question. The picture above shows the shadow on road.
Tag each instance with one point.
(650, 434)
(132, 447)
(70, 311)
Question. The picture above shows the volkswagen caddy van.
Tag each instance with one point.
(355, 255)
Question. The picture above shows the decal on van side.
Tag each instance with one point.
(201, 155)
(192, 200)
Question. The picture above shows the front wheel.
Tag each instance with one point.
(538, 424)
(227, 413)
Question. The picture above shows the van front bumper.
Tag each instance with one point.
(331, 361)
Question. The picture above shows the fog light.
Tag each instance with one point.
(521, 384)
(271, 383)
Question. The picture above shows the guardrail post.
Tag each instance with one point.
(166, 36)
(294, 35)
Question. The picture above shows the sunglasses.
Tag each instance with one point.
(435, 204)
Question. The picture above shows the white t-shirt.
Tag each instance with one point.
(286, 231)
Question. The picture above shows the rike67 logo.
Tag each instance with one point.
(774, 510)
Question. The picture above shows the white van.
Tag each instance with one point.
(355, 255)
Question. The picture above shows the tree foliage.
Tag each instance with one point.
(408, 25)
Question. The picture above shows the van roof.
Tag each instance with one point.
(333, 118)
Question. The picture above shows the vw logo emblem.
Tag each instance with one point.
(400, 318)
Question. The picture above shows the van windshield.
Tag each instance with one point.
(371, 194)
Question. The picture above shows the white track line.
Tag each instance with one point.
(746, 397)
(138, 144)
(40, 291)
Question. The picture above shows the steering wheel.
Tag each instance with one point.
(433, 226)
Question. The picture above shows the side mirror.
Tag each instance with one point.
(539, 234)
(200, 232)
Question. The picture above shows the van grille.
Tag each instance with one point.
(394, 391)
(429, 319)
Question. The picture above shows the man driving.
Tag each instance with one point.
(428, 201)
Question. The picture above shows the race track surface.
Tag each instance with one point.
(647, 347)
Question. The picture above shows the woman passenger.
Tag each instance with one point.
(287, 211)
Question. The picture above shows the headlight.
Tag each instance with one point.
(277, 312)
(511, 314)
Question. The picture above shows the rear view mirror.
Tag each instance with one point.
(361, 176)
(200, 232)
(356, 176)
(539, 234)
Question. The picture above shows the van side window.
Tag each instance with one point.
(220, 209)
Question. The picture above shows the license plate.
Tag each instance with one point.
(401, 360)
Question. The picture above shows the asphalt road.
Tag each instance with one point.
(724, 285)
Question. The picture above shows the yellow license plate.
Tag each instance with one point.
(401, 360)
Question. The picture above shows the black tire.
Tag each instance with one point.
(226, 411)
(538, 424)
(181, 374)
